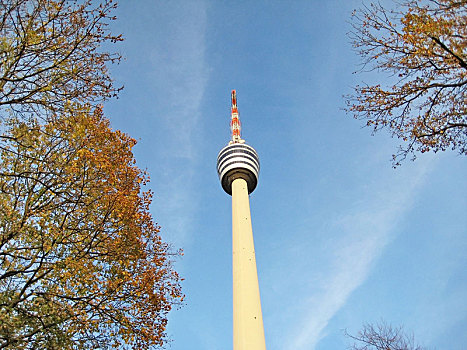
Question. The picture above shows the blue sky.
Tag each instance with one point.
(341, 238)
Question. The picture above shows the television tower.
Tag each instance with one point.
(238, 169)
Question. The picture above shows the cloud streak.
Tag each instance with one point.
(365, 232)
(180, 76)
(180, 72)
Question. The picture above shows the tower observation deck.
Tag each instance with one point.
(238, 170)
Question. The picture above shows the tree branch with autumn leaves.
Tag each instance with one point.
(423, 50)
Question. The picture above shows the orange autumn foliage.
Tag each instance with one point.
(82, 265)
(81, 261)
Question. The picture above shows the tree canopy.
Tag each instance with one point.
(423, 49)
(383, 336)
(50, 54)
(82, 264)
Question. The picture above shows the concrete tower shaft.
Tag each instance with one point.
(248, 331)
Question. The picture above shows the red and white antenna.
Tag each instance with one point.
(235, 125)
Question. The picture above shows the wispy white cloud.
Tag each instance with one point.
(363, 234)
(180, 75)
(179, 70)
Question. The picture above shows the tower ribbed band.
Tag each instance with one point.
(238, 160)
